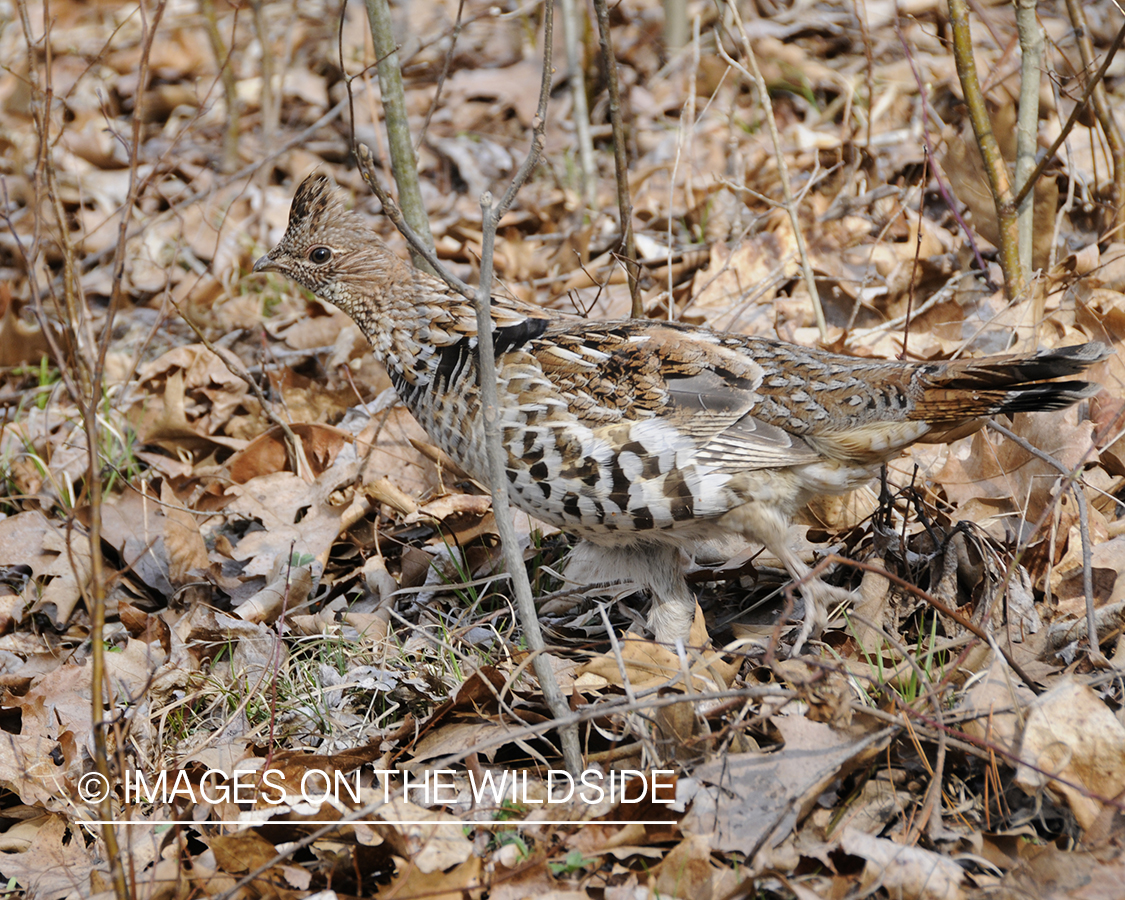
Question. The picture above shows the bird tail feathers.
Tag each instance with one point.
(1008, 384)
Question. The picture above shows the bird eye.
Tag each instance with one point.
(320, 255)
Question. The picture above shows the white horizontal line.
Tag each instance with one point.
(372, 822)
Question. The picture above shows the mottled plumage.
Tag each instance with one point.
(648, 437)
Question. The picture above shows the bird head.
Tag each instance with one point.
(330, 249)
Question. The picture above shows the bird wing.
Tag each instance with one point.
(629, 373)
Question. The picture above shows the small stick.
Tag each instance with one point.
(1072, 481)
(782, 167)
(1046, 159)
(620, 162)
(490, 410)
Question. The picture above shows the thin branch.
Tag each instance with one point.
(620, 160)
(577, 80)
(1102, 108)
(85, 390)
(684, 132)
(89, 410)
(490, 411)
(755, 75)
(403, 161)
(995, 167)
(422, 244)
(675, 24)
(1072, 119)
(1027, 126)
(390, 209)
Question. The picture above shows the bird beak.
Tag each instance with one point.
(264, 264)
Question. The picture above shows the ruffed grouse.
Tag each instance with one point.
(645, 437)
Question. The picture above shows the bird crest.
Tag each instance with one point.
(319, 214)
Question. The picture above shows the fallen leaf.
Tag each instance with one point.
(1074, 745)
(911, 873)
(745, 800)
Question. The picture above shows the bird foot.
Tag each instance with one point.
(819, 599)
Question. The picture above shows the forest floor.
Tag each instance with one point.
(217, 623)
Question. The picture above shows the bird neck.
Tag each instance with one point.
(427, 335)
(422, 327)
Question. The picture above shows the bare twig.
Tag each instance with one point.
(684, 130)
(230, 88)
(576, 76)
(390, 208)
(1027, 126)
(615, 646)
(84, 381)
(403, 162)
(999, 178)
(914, 264)
(1111, 128)
(521, 586)
(89, 407)
(675, 24)
(1072, 482)
(490, 409)
(1065, 208)
(1072, 119)
(755, 75)
(620, 160)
